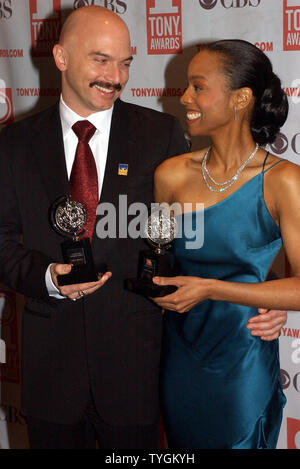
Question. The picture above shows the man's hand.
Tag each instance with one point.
(268, 324)
(75, 292)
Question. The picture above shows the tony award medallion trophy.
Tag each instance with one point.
(160, 231)
(68, 218)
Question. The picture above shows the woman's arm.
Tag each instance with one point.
(191, 290)
(282, 194)
(284, 185)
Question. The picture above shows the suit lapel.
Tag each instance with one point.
(48, 151)
(121, 151)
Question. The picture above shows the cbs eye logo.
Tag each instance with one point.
(208, 4)
(280, 145)
(6, 104)
(118, 6)
(81, 3)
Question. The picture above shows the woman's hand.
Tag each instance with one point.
(191, 290)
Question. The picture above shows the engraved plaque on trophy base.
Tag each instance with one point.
(151, 264)
(79, 254)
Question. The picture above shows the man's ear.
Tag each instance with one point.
(60, 57)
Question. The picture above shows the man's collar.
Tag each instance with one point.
(101, 120)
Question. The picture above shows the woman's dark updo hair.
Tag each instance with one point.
(247, 66)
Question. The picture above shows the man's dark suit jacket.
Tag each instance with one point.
(109, 341)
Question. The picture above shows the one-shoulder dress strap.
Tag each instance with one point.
(274, 164)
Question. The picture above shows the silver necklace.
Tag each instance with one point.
(224, 185)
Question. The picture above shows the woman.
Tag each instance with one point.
(221, 386)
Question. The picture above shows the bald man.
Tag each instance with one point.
(90, 351)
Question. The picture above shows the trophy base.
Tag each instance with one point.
(79, 254)
(81, 274)
(151, 264)
(147, 288)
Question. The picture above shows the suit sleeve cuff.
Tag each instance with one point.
(52, 290)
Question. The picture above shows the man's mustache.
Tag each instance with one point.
(115, 86)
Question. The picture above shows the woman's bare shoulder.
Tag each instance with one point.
(177, 166)
(285, 172)
(283, 179)
(172, 168)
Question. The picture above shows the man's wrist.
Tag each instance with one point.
(51, 287)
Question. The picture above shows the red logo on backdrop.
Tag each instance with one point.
(164, 26)
(6, 105)
(291, 24)
(45, 20)
(9, 333)
(293, 433)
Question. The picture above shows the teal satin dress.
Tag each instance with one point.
(221, 386)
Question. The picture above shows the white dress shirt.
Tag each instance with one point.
(99, 146)
(98, 143)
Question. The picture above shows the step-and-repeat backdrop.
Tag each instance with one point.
(165, 35)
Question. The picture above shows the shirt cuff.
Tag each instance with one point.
(52, 290)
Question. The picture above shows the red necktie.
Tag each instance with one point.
(84, 179)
